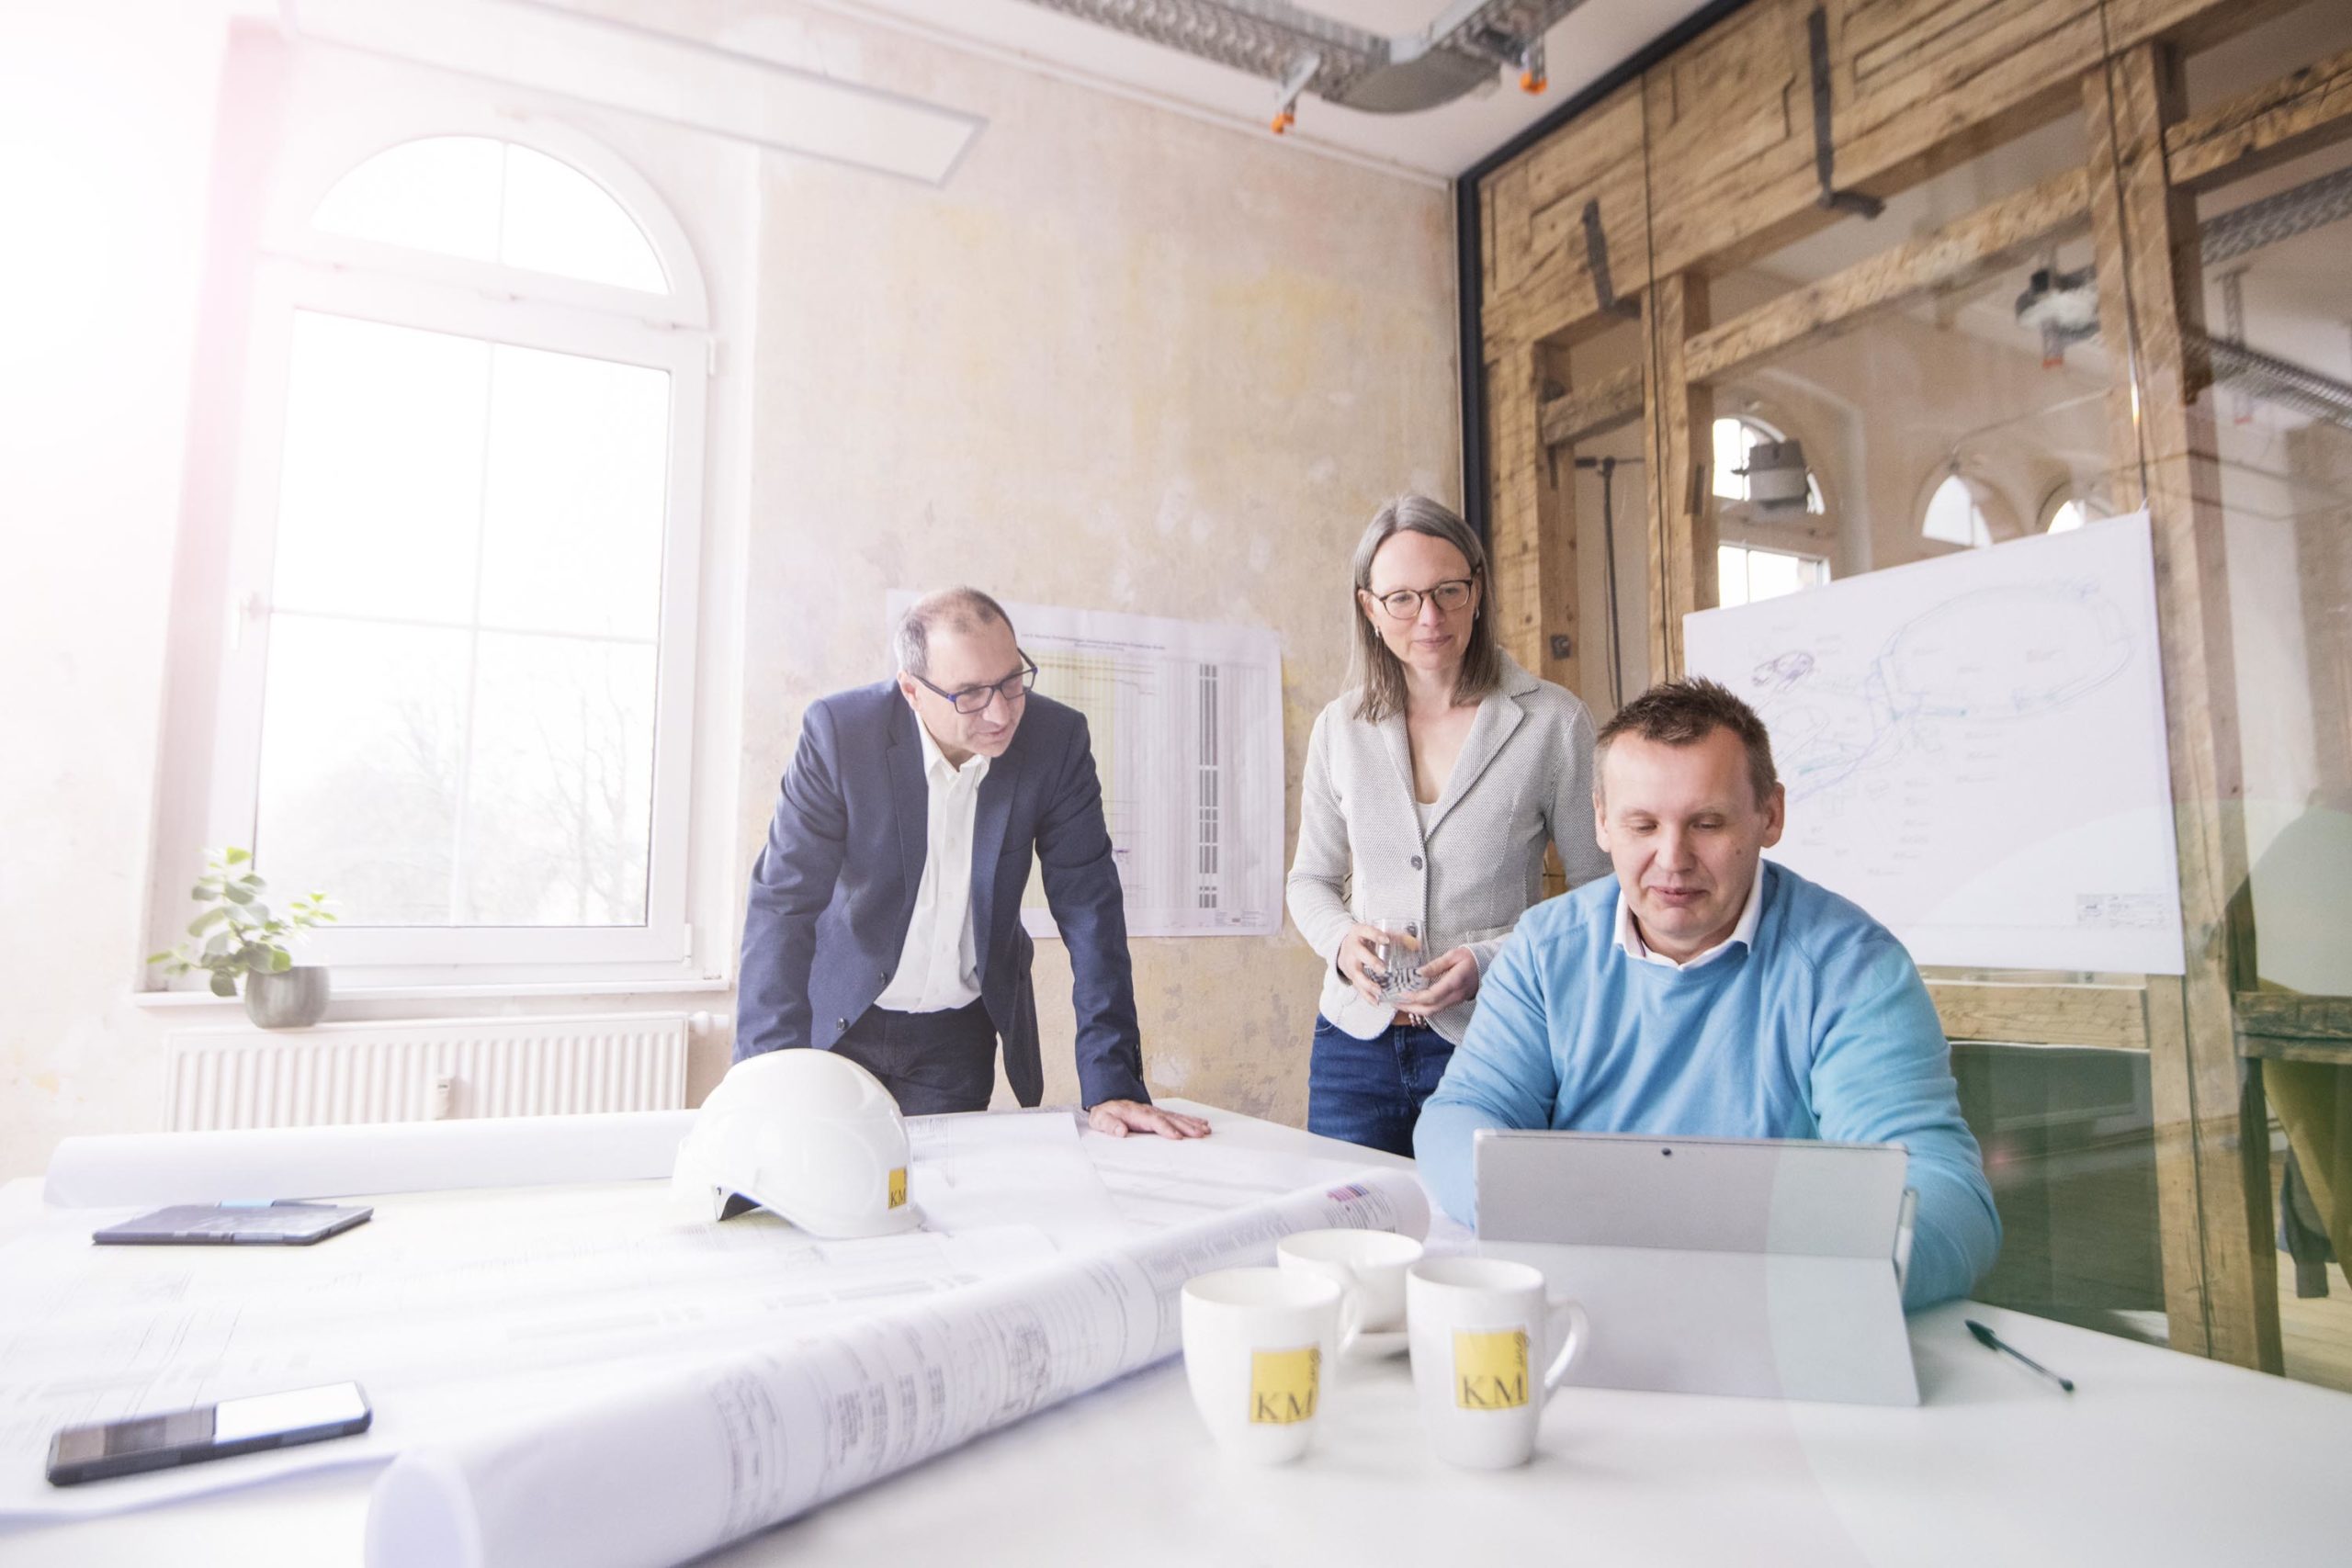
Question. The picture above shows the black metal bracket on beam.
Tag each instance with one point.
(1817, 34)
(1595, 261)
(1469, 260)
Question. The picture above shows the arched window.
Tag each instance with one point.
(1744, 575)
(1736, 440)
(488, 200)
(459, 696)
(2065, 508)
(1955, 514)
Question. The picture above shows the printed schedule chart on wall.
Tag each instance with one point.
(1186, 719)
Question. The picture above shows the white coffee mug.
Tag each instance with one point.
(1369, 1268)
(1256, 1344)
(1481, 1328)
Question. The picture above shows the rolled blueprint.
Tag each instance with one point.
(265, 1163)
(666, 1471)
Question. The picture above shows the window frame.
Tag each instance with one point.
(1993, 509)
(1815, 510)
(287, 232)
(1820, 559)
(299, 270)
(1807, 534)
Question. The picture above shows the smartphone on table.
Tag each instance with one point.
(209, 1431)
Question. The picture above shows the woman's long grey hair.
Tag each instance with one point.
(1383, 674)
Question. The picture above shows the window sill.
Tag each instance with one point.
(174, 1001)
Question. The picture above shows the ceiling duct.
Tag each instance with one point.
(1300, 51)
(2281, 382)
(2312, 205)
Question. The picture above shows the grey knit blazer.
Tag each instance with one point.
(1524, 780)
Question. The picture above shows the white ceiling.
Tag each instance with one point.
(1441, 143)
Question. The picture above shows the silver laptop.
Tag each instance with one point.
(1757, 1267)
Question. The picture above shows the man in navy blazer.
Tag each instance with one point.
(883, 920)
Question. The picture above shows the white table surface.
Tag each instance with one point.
(2158, 1458)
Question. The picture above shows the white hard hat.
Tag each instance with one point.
(803, 1134)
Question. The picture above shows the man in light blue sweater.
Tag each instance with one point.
(1704, 993)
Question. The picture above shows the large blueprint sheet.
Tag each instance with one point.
(458, 1309)
(454, 1307)
(669, 1469)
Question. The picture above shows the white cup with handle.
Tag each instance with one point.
(1369, 1267)
(1489, 1345)
(1256, 1342)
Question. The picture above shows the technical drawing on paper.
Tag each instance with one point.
(1934, 680)
(1186, 721)
(1974, 747)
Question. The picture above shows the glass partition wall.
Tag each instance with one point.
(1967, 415)
(2125, 294)
(2272, 235)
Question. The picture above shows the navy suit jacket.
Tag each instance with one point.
(834, 890)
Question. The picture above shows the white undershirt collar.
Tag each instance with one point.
(1629, 936)
(934, 760)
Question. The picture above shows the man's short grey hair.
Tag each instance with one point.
(949, 609)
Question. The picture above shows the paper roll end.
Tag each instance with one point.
(422, 1515)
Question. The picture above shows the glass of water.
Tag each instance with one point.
(1399, 953)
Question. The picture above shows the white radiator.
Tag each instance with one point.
(340, 1073)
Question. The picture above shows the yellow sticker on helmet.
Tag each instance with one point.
(899, 1187)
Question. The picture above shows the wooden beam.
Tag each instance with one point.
(2213, 1144)
(1532, 535)
(1558, 651)
(1514, 462)
(1678, 415)
(2255, 130)
(2279, 1026)
(1985, 242)
(2270, 1048)
(1581, 414)
(2106, 1017)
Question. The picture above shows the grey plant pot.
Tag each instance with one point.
(291, 998)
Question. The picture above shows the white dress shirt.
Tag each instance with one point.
(939, 966)
(1629, 935)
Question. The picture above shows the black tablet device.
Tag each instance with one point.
(223, 1224)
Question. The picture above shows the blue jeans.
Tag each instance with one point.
(1370, 1091)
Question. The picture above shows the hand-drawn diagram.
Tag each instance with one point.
(1935, 677)
(1974, 747)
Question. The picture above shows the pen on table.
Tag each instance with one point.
(1992, 1341)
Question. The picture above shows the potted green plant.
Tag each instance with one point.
(238, 933)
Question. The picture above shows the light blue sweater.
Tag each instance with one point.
(1821, 1030)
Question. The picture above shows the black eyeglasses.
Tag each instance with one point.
(1406, 603)
(976, 699)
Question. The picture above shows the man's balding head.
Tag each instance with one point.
(966, 610)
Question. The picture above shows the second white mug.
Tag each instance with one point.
(1369, 1268)
(1488, 1347)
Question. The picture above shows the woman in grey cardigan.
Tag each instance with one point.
(1432, 789)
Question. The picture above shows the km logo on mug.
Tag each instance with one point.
(1489, 1369)
(1283, 1386)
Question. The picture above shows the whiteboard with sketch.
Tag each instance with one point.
(1974, 747)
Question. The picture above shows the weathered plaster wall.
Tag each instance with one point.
(1124, 360)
